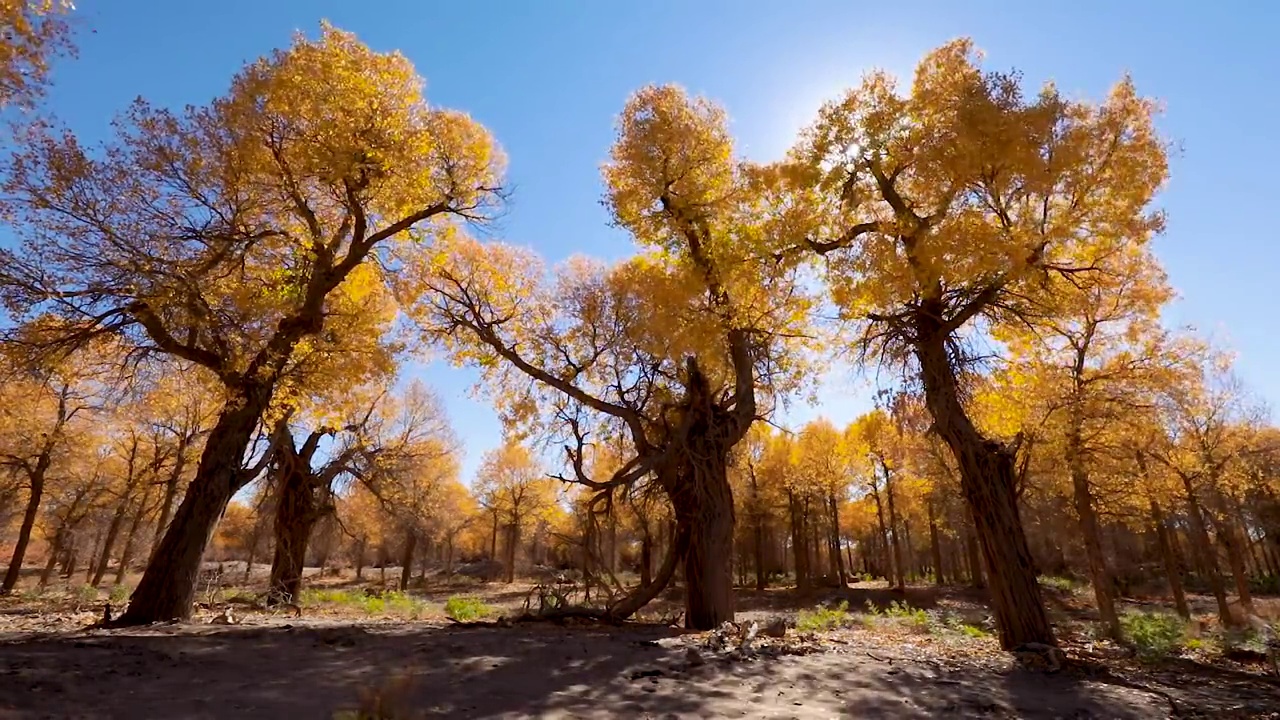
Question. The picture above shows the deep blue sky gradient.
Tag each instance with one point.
(547, 77)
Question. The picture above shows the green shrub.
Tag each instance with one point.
(915, 617)
(86, 594)
(823, 618)
(118, 594)
(1064, 584)
(1154, 634)
(974, 631)
(465, 608)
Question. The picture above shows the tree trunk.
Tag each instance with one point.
(974, 559)
(988, 480)
(55, 549)
(757, 551)
(646, 555)
(900, 572)
(513, 537)
(297, 511)
(126, 555)
(170, 494)
(935, 548)
(169, 583)
(703, 502)
(493, 539)
(799, 549)
(24, 531)
(1099, 574)
(113, 531)
(360, 548)
(406, 560)
(1202, 548)
(841, 576)
(1172, 568)
(1231, 541)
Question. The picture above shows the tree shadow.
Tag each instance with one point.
(528, 670)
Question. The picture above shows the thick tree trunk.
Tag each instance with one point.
(935, 549)
(169, 583)
(1172, 568)
(1090, 533)
(703, 502)
(1203, 549)
(297, 511)
(988, 481)
(406, 560)
(493, 538)
(360, 550)
(24, 531)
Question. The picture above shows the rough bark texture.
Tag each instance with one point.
(988, 481)
(705, 507)
(169, 583)
(24, 532)
(297, 511)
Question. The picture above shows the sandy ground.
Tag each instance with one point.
(309, 669)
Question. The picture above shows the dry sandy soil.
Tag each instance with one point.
(274, 666)
(310, 669)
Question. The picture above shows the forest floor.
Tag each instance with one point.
(925, 653)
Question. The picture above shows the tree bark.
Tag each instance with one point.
(52, 562)
(1202, 548)
(900, 571)
(406, 560)
(168, 585)
(297, 511)
(799, 542)
(1082, 494)
(988, 481)
(170, 494)
(513, 537)
(703, 503)
(126, 555)
(1172, 568)
(841, 576)
(108, 544)
(1231, 541)
(360, 550)
(28, 522)
(935, 548)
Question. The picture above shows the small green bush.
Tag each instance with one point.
(823, 618)
(915, 617)
(465, 608)
(86, 594)
(118, 594)
(1064, 584)
(1154, 634)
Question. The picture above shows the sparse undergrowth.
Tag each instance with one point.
(395, 604)
(466, 608)
(898, 614)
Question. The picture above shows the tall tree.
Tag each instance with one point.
(228, 235)
(937, 212)
(34, 32)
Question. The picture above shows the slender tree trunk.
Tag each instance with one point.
(24, 531)
(1090, 533)
(1235, 558)
(93, 556)
(1172, 568)
(52, 562)
(513, 537)
(169, 583)
(884, 533)
(935, 548)
(126, 555)
(170, 494)
(900, 572)
(646, 554)
(841, 575)
(799, 550)
(360, 550)
(976, 578)
(113, 531)
(1202, 548)
(406, 560)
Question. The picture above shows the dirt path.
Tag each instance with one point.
(310, 670)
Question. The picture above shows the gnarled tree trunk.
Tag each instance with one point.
(988, 481)
(297, 510)
(169, 583)
(1082, 494)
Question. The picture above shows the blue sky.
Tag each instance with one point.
(547, 77)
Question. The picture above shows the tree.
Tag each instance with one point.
(35, 30)
(938, 213)
(678, 349)
(228, 236)
(517, 491)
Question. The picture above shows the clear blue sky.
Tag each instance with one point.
(548, 78)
